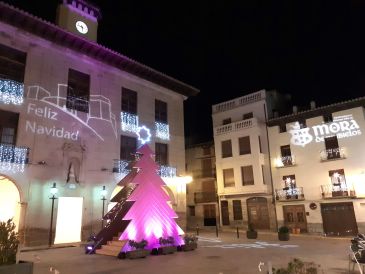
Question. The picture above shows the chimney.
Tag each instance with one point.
(295, 109)
(313, 104)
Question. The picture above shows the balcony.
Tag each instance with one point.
(241, 101)
(335, 191)
(332, 154)
(11, 92)
(285, 161)
(13, 158)
(78, 103)
(236, 126)
(205, 197)
(129, 122)
(120, 166)
(289, 194)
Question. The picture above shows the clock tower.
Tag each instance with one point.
(79, 17)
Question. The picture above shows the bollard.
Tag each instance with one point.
(238, 233)
(197, 230)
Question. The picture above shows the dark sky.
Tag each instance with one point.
(313, 50)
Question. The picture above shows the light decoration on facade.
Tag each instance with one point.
(162, 131)
(120, 166)
(167, 171)
(12, 158)
(144, 137)
(129, 122)
(11, 92)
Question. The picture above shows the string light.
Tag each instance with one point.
(162, 131)
(120, 166)
(11, 92)
(167, 171)
(13, 158)
(129, 122)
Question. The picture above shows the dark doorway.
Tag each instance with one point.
(209, 215)
(225, 213)
(258, 213)
(339, 219)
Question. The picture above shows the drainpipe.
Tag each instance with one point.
(271, 180)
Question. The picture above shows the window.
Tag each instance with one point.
(129, 101)
(260, 145)
(286, 156)
(282, 128)
(227, 121)
(289, 182)
(332, 149)
(128, 147)
(247, 175)
(225, 212)
(327, 118)
(161, 151)
(8, 127)
(338, 181)
(263, 174)
(192, 211)
(78, 91)
(244, 145)
(161, 111)
(237, 210)
(226, 149)
(12, 63)
(208, 186)
(207, 167)
(228, 177)
(248, 115)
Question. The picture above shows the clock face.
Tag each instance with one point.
(81, 27)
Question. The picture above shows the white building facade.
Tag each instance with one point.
(318, 168)
(71, 114)
(242, 159)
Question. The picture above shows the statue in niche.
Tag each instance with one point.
(73, 155)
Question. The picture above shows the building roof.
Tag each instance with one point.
(46, 30)
(319, 111)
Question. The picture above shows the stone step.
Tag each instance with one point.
(111, 247)
(107, 252)
(117, 243)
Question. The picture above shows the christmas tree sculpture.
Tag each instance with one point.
(150, 215)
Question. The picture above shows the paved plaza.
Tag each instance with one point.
(223, 255)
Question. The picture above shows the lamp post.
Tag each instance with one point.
(53, 191)
(103, 194)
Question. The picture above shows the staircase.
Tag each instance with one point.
(112, 248)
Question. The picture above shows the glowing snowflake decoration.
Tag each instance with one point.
(144, 134)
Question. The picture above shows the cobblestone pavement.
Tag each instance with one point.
(223, 255)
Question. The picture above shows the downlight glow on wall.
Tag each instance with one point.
(344, 126)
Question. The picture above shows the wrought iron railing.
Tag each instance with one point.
(205, 197)
(289, 194)
(332, 154)
(284, 161)
(80, 103)
(340, 190)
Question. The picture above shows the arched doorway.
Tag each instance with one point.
(9, 201)
(258, 212)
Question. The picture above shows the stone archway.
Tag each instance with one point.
(9, 201)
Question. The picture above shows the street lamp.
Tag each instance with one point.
(53, 191)
(103, 194)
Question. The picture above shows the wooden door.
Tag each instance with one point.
(209, 215)
(225, 212)
(339, 219)
(294, 217)
(258, 213)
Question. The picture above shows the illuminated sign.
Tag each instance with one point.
(342, 127)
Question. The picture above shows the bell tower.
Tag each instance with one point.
(79, 17)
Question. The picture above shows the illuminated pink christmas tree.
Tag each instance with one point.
(150, 217)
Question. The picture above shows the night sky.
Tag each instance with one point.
(313, 50)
